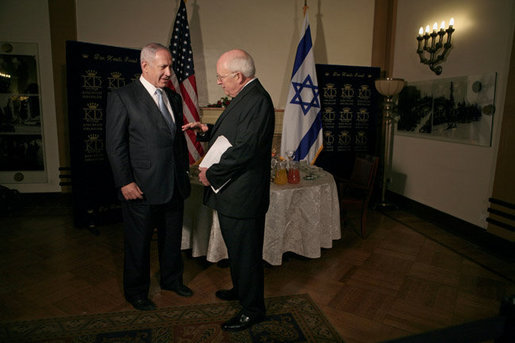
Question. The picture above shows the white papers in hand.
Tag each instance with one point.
(214, 154)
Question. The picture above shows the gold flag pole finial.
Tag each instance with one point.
(305, 8)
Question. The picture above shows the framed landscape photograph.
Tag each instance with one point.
(458, 109)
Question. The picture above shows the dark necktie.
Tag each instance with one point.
(164, 111)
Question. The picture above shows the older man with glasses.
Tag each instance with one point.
(238, 186)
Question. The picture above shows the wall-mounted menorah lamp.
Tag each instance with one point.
(432, 49)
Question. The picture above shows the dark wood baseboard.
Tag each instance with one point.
(470, 232)
(15, 203)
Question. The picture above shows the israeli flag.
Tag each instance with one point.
(302, 123)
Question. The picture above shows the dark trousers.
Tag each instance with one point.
(244, 241)
(140, 221)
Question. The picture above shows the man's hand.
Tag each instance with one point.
(202, 176)
(196, 126)
(132, 191)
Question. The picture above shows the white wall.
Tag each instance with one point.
(27, 21)
(268, 29)
(451, 177)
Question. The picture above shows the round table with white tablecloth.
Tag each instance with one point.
(302, 218)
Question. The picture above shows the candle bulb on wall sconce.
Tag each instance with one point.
(431, 43)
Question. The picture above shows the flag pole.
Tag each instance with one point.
(305, 8)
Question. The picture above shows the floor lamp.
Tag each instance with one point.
(387, 87)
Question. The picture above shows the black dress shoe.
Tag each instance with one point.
(226, 294)
(180, 289)
(241, 322)
(143, 304)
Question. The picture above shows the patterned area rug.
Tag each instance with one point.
(289, 319)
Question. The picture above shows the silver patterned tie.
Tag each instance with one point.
(164, 111)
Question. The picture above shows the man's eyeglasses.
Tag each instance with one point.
(221, 77)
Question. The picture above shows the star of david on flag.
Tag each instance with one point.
(306, 94)
(183, 78)
(302, 122)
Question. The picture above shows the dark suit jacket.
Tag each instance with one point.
(140, 147)
(248, 124)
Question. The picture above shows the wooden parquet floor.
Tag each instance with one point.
(407, 277)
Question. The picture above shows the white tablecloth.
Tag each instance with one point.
(302, 218)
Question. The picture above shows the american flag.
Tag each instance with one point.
(183, 80)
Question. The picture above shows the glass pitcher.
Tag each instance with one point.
(293, 172)
(281, 176)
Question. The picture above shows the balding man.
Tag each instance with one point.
(242, 181)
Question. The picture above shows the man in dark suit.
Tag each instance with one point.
(238, 186)
(149, 158)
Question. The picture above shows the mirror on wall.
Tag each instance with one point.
(21, 135)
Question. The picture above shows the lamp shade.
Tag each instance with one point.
(389, 86)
